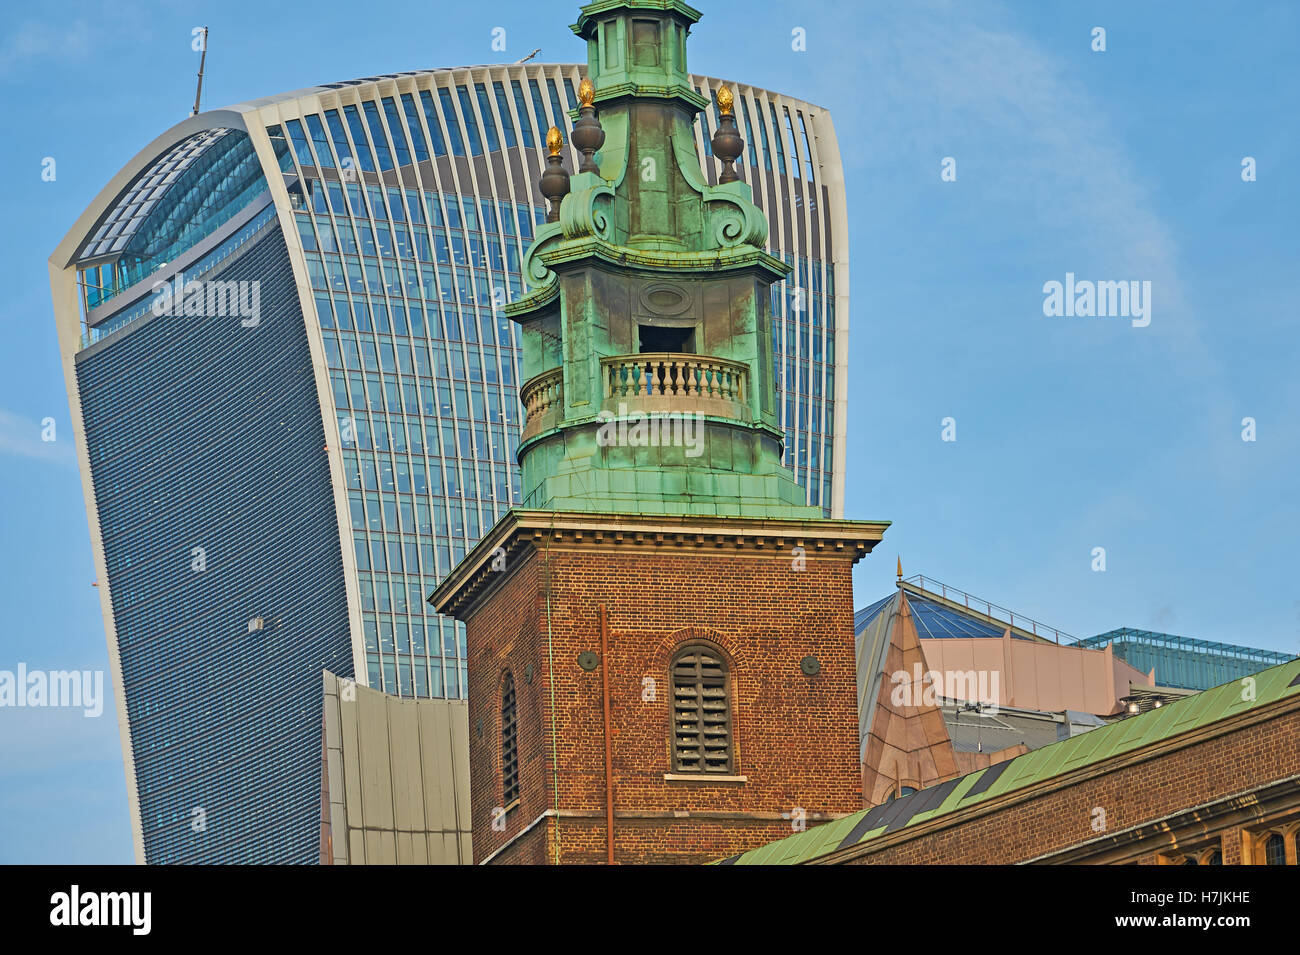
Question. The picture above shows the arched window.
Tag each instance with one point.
(701, 712)
(1215, 857)
(1275, 849)
(509, 742)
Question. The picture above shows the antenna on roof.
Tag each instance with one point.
(529, 56)
(203, 56)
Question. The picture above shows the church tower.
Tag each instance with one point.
(660, 640)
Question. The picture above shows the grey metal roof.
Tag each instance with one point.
(990, 732)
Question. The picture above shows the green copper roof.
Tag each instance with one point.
(637, 48)
(1094, 746)
(646, 327)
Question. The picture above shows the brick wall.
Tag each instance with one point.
(794, 737)
(1213, 769)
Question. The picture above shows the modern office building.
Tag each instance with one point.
(1185, 662)
(1026, 664)
(953, 624)
(295, 400)
(395, 779)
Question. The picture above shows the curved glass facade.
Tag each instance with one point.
(215, 508)
(415, 201)
(199, 269)
(423, 376)
(180, 200)
(406, 203)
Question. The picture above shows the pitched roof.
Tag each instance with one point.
(934, 620)
(1068, 755)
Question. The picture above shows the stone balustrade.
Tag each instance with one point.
(649, 382)
(691, 380)
(542, 398)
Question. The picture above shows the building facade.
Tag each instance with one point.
(1213, 779)
(394, 779)
(295, 400)
(977, 651)
(661, 648)
(1184, 662)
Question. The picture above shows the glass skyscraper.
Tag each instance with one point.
(296, 406)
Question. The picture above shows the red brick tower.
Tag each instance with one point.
(661, 645)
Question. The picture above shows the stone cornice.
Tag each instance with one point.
(654, 260)
(597, 8)
(564, 251)
(616, 91)
(1240, 808)
(520, 530)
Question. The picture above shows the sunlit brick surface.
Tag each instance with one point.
(795, 736)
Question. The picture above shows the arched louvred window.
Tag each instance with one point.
(509, 742)
(701, 712)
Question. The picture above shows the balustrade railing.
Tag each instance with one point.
(687, 382)
(542, 394)
(674, 374)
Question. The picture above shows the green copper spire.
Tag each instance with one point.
(638, 48)
(646, 325)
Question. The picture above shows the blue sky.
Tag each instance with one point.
(1072, 433)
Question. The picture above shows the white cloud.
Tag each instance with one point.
(34, 42)
(947, 76)
(1054, 183)
(21, 437)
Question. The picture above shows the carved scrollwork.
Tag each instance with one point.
(733, 217)
(586, 211)
(736, 222)
(536, 273)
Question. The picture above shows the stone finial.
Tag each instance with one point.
(554, 184)
(727, 143)
(588, 135)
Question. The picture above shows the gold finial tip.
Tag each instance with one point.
(586, 91)
(725, 99)
(554, 140)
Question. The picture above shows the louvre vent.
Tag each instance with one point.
(509, 743)
(701, 713)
